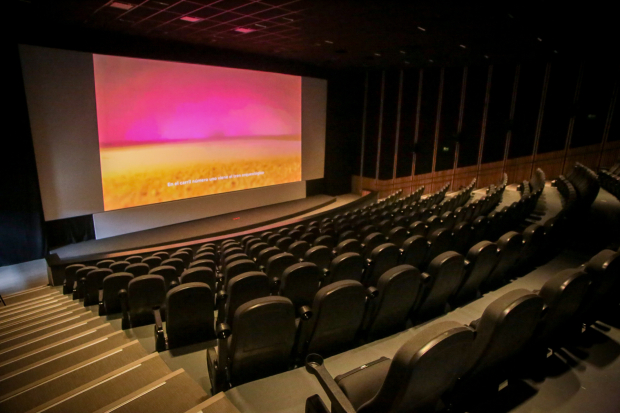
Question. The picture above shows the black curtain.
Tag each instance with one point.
(21, 213)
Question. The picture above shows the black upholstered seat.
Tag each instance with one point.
(93, 283)
(298, 249)
(169, 273)
(134, 259)
(414, 251)
(278, 263)
(320, 255)
(237, 268)
(533, 243)
(255, 248)
(200, 275)
(381, 259)
(204, 263)
(70, 278)
(337, 315)
(119, 266)
(152, 261)
(480, 261)
(347, 266)
(418, 228)
(104, 263)
(260, 344)
(348, 245)
(502, 333)
(441, 280)
(509, 248)
(325, 240)
(461, 234)
(300, 282)
(422, 370)
(241, 289)
(440, 241)
(397, 236)
(113, 284)
(80, 280)
(604, 272)
(144, 294)
(284, 242)
(189, 317)
(398, 289)
(264, 255)
(372, 241)
(183, 256)
(177, 263)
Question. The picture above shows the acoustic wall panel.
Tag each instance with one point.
(388, 124)
(408, 114)
(472, 115)
(373, 115)
(427, 121)
(499, 113)
(448, 127)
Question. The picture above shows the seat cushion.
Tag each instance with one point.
(362, 384)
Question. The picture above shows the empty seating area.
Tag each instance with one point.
(268, 302)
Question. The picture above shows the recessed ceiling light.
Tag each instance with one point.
(486, 56)
(539, 39)
(244, 30)
(403, 52)
(422, 29)
(462, 46)
(329, 42)
(122, 6)
(555, 51)
(431, 60)
(377, 54)
(288, 19)
(261, 26)
(191, 19)
(406, 62)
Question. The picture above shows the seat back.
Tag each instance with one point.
(348, 245)
(300, 282)
(398, 291)
(145, 293)
(461, 237)
(177, 263)
(418, 228)
(169, 273)
(502, 332)
(480, 261)
(255, 248)
(94, 283)
(320, 256)
(237, 268)
(298, 249)
(440, 242)
(382, 258)
(204, 263)
(199, 275)
(372, 241)
(415, 250)
(189, 314)
(533, 243)
(278, 263)
(562, 294)
(119, 266)
(509, 249)
(604, 270)
(241, 289)
(397, 236)
(134, 259)
(183, 256)
(262, 339)
(234, 257)
(347, 266)
(444, 275)
(325, 240)
(284, 242)
(112, 284)
(265, 254)
(337, 315)
(162, 254)
(105, 263)
(152, 261)
(70, 277)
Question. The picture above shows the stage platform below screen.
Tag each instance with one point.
(220, 225)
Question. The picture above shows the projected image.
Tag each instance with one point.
(170, 131)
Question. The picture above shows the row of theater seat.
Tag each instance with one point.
(610, 179)
(579, 189)
(459, 367)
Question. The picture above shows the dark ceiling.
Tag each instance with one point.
(347, 33)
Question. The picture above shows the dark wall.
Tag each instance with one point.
(535, 101)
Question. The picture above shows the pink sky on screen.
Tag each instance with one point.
(140, 100)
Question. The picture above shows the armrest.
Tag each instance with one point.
(101, 305)
(274, 288)
(305, 312)
(314, 404)
(220, 304)
(222, 331)
(217, 372)
(340, 402)
(173, 284)
(124, 297)
(160, 336)
(474, 324)
(371, 293)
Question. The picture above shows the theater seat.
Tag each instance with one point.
(299, 283)
(137, 269)
(70, 278)
(241, 289)
(259, 344)
(441, 280)
(105, 263)
(110, 301)
(348, 245)
(397, 292)
(503, 331)
(604, 272)
(440, 241)
(422, 370)
(277, 264)
(264, 255)
(321, 256)
(119, 266)
(204, 263)
(144, 294)
(189, 317)
(347, 266)
(337, 315)
(152, 261)
(237, 268)
(372, 241)
(509, 248)
(93, 283)
(169, 273)
(562, 294)
(298, 249)
(414, 251)
(80, 280)
(381, 259)
(480, 261)
(199, 275)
